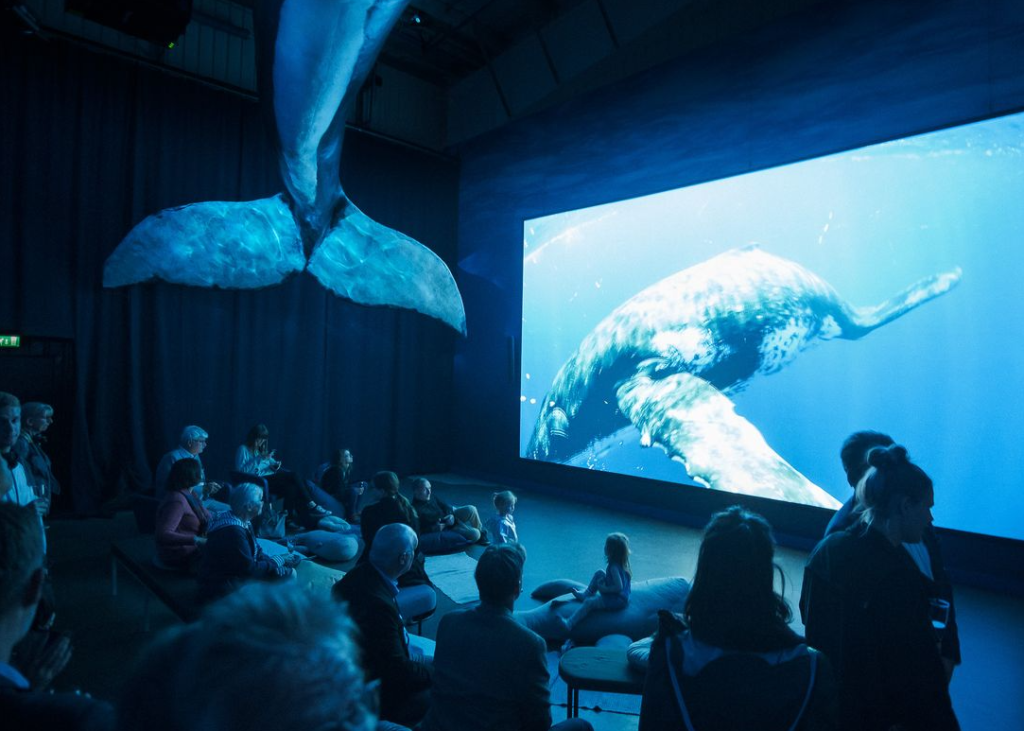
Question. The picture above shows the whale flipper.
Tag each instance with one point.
(371, 264)
(697, 425)
(238, 245)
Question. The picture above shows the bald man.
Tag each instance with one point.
(370, 590)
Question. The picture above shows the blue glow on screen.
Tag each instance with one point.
(942, 209)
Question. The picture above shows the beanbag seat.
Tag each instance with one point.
(636, 621)
(324, 499)
(556, 588)
(328, 545)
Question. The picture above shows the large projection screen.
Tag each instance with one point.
(731, 334)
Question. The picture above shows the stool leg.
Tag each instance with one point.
(568, 701)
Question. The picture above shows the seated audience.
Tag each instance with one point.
(254, 457)
(927, 554)
(24, 704)
(392, 507)
(442, 528)
(490, 671)
(501, 527)
(35, 420)
(268, 657)
(232, 555)
(191, 445)
(181, 519)
(337, 481)
(370, 589)
(732, 661)
(867, 606)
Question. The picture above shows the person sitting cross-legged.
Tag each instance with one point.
(489, 670)
(442, 528)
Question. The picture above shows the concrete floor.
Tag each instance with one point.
(563, 540)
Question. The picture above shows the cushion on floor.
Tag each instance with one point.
(330, 546)
(552, 589)
(636, 621)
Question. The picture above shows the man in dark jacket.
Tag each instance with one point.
(370, 589)
(23, 706)
(489, 670)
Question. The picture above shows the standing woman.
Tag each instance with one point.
(866, 605)
(181, 519)
(35, 420)
(255, 457)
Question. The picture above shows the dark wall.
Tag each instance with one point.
(89, 146)
(836, 76)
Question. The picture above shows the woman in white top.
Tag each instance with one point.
(254, 457)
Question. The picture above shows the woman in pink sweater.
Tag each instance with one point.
(181, 519)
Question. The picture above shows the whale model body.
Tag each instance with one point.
(314, 56)
(667, 358)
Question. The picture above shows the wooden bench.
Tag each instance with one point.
(176, 589)
(599, 669)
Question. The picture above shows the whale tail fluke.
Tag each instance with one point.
(371, 264)
(234, 245)
(863, 320)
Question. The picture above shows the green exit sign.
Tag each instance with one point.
(10, 341)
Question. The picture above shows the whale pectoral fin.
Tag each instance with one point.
(371, 264)
(695, 423)
(237, 245)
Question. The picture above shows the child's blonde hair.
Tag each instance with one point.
(503, 501)
(616, 550)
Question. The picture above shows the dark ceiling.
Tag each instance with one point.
(446, 40)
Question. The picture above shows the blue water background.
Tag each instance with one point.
(945, 379)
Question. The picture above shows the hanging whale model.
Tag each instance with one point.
(314, 56)
(667, 358)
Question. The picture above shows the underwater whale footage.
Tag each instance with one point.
(731, 334)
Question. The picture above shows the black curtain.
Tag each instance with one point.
(90, 145)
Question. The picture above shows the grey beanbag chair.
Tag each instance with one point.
(636, 621)
(330, 546)
(552, 589)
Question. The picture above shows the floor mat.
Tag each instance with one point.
(453, 576)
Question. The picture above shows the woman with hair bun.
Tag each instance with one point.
(866, 605)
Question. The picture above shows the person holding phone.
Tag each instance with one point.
(254, 457)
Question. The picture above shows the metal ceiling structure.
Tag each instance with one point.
(451, 69)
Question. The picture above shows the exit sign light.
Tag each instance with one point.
(10, 341)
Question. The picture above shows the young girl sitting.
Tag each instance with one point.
(501, 528)
(609, 589)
